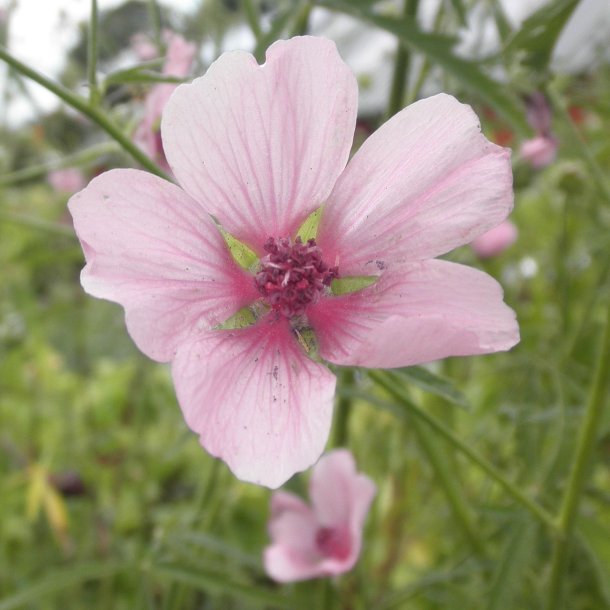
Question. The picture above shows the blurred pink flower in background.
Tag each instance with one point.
(143, 47)
(178, 63)
(496, 240)
(258, 149)
(323, 539)
(541, 150)
(68, 180)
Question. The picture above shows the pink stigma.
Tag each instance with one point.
(292, 275)
(333, 542)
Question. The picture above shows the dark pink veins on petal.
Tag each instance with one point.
(292, 275)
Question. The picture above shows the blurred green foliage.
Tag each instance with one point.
(109, 502)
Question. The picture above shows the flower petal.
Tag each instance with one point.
(424, 183)
(261, 146)
(256, 400)
(415, 313)
(152, 249)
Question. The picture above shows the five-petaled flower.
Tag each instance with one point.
(257, 149)
(324, 539)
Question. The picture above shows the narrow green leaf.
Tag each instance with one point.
(62, 579)
(346, 285)
(218, 582)
(515, 562)
(278, 25)
(539, 33)
(435, 384)
(460, 11)
(439, 50)
(596, 540)
(139, 75)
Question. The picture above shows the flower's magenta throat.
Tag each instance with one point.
(292, 275)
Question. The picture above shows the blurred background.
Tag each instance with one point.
(108, 501)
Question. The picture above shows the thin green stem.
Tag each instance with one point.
(154, 13)
(343, 409)
(32, 222)
(599, 178)
(301, 24)
(393, 388)
(580, 468)
(252, 16)
(94, 94)
(445, 473)
(81, 158)
(424, 70)
(78, 103)
(401, 65)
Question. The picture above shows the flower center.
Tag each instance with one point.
(292, 275)
(333, 542)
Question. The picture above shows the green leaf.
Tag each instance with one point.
(596, 541)
(138, 75)
(460, 11)
(241, 254)
(278, 25)
(309, 229)
(346, 285)
(435, 384)
(217, 582)
(62, 579)
(515, 562)
(438, 49)
(539, 33)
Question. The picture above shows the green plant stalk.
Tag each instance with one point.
(94, 94)
(401, 66)
(154, 14)
(424, 70)
(343, 408)
(252, 17)
(83, 157)
(301, 24)
(445, 473)
(78, 103)
(32, 222)
(586, 154)
(580, 467)
(385, 381)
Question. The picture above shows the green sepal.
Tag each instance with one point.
(241, 254)
(309, 229)
(347, 285)
(243, 318)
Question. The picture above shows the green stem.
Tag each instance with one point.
(154, 13)
(599, 178)
(424, 70)
(78, 103)
(83, 157)
(252, 16)
(578, 475)
(94, 94)
(386, 382)
(343, 409)
(32, 222)
(401, 65)
(301, 25)
(445, 473)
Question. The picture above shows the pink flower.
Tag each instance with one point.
(142, 46)
(539, 151)
(258, 149)
(67, 180)
(324, 539)
(496, 240)
(178, 62)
